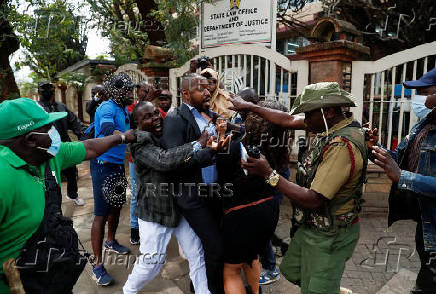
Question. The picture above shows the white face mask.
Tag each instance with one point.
(55, 145)
(418, 106)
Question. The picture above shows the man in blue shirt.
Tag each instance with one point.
(107, 171)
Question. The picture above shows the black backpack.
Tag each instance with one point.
(50, 262)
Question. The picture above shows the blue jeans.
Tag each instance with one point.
(133, 201)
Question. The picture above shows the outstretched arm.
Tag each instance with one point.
(146, 153)
(277, 117)
(96, 147)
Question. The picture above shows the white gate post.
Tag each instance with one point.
(303, 75)
(173, 86)
(357, 78)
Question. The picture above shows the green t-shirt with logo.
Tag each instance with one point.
(22, 197)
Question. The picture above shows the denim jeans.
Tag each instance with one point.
(268, 258)
(133, 185)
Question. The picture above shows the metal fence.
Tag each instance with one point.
(382, 99)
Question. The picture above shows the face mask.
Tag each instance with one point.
(55, 141)
(418, 106)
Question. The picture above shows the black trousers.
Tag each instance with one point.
(206, 225)
(71, 175)
(426, 280)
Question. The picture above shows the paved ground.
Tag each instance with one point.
(384, 262)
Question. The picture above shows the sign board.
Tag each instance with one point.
(228, 22)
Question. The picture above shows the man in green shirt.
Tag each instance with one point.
(27, 141)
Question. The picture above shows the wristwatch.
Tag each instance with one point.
(196, 146)
(123, 138)
(273, 179)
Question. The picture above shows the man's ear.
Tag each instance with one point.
(29, 140)
(430, 102)
(186, 95)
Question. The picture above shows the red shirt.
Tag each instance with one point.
(131, 107)
(163, 113)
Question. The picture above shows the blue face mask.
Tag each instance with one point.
(418, 106)
(55, 141)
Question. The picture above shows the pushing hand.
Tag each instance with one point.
(386, 162)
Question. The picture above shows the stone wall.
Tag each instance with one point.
(376, 191)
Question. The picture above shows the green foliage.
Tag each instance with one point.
(127, 40)
(131, 25)
(52, 35)
(77, 80)
(28, 89)
(180, 21)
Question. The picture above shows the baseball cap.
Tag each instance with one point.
(427, 80)
(23, 115)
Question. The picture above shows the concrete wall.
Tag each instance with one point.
(72, 99)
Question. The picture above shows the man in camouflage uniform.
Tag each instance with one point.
(328, 192)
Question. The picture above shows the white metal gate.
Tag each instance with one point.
(272, 74)
(382, 99)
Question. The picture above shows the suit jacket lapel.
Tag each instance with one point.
(186, 113)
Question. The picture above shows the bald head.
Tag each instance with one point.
(195, 91)
(249, 94)
(165, 93)
(97, 89)
(142, 105)
(143, 91)
(191, 80)
(141, 84)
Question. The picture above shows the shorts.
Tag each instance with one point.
(316, 261)
(247, 231)
(99, 173)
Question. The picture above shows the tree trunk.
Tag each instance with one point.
(8, 44)
(156, 33)
(80, 105)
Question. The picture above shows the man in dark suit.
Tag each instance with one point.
(181, 126)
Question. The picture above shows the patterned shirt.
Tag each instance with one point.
(155, 194)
